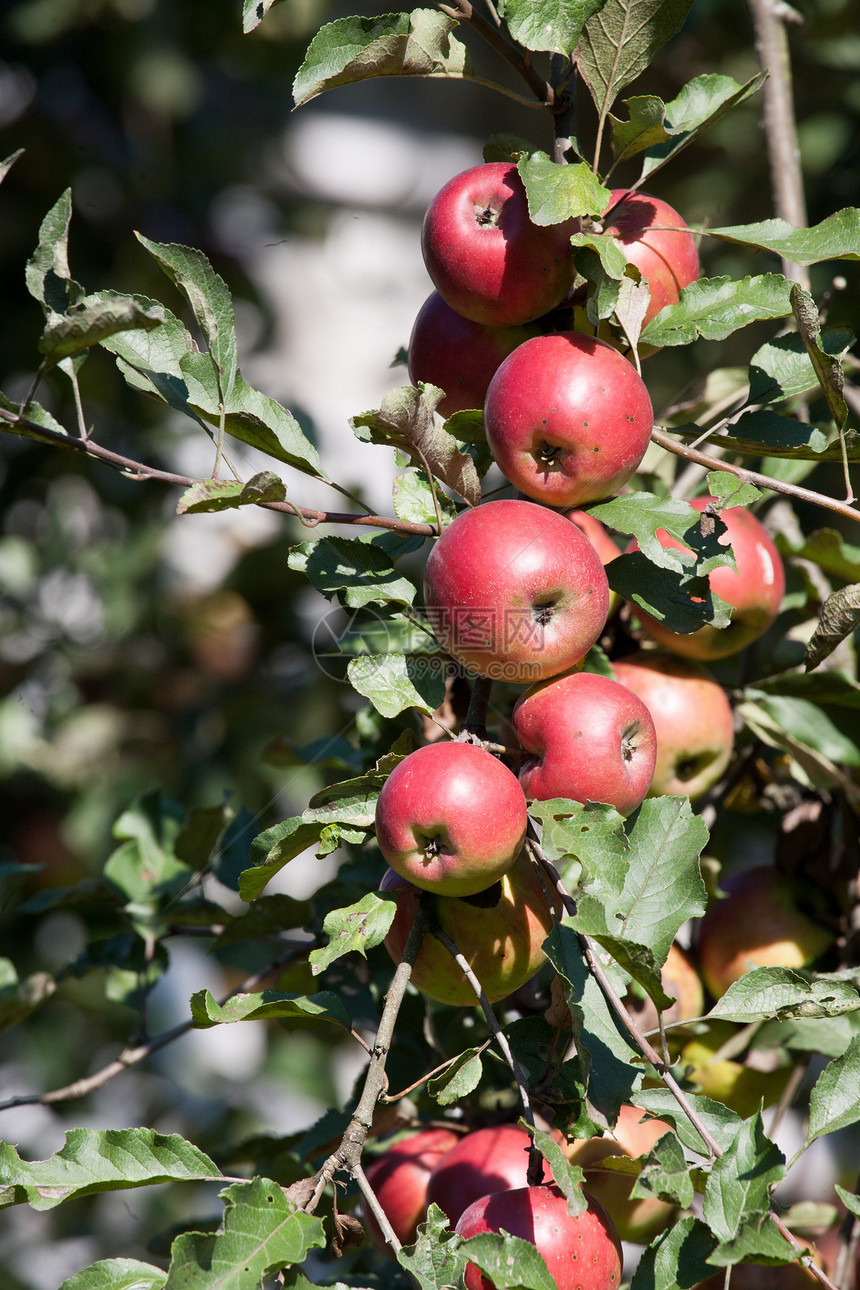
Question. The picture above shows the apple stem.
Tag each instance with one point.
(535, 1171)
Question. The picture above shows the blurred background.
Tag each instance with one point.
(140, 650)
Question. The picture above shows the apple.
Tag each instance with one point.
(760, 922)
(451, 818)
(585, 737)
(458, 355)
(567, 418)
(515, 592)
(740, 1085)
(653, 236)
(495, 1158)
(399, 1178)
(500, 932)
(582, 1252)
(680, 980)
(692, 717)
(638, 1220)
(598, 536)
(754, 591)
(485, 256)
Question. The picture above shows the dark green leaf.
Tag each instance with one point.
(782, 369)
(268, 916)
(834, 1102)
(812, 767)
(269, 1005)
(682, 603)
(840, 616)
(549, 25)
(677, 1260)
(395, 682)
(436, 1260)
(715, 307)
(567, 1177)
(620, 41)
(830, 688)
(262, 1232)
(809, 725)
(699, 105)
(92, 320)
(359, 573)
(781, 994)
(509, 1261)
(92, 1161)
(731, 491)
(740, 1181)
(666, 1174)
(766, 432)
(271, 850)
(560, 192)
(413, 499)
(828, 549)
(228, 494)
(758, 1241)
(720, 1122)
(394, 44)
(47, 273)
(117, 1274)
(827, 368)
(644, 128)
(458, 1080)
(13, 878)
(358, 927)
(835, 238)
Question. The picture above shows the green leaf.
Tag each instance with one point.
(229, 494)
(209, 297)
(395, 682)
(834, 1102)
(849, 1200)
(13, 878)
(262, 1232)
(358, 572)
(117, 1274)
(643, 515)
(713, 308)
(254, 11)
(741, 1179)
(677, 1258)
(620, 41)
(840, 617)
(809, 725)
(92, 320)
(548, 25)
(835, 238)
(719, 1120)
(269, 1005)
(567, 1177)
(36, 417)
(699, 105)
(780, 994)
(765, 432)
(645, 127)
(812, 767)
(731, 491)
(682, 602)
(8, 162)
(457, 1080)
(605, 1049)
(509, 1261)
(436, 1260)
(758, 1241)
(413, 499)
(110, 1160)
(613, 261)
(591, 833)
(407, 419)
(666, 1174)
(560, 192)
(47, 273)
(782, 369)
(357, 927)
(827, 368)
(267, 915)
(830, 689)
(394, 44)
(271, 850)
(828, 549)
(18, 999)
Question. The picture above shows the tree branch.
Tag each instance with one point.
(465, 12)
(753, 477)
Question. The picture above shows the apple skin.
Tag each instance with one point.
(692, 717)
(598, 536)
(635, 1220)
(741, 1086)
(451, 818)
(585, 737)
(515, 592)
(754, 591)
(458, 355)
(495, 1158)
(759, 923)
(666, 258)
(485, 256)
(567, 418)
(399, 1178)
(581, 1253)
(501, 941)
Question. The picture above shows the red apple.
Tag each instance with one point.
(500, 932)
(760, 922)
(585, 737)
(581, 1252)
(598, 536)
(567, 418)
(458, 355)
(692, 717)
(451, 818)
(515, 592)
(754, 591)
(485, 256)
(495, 1158)
(399, 1178)
(653, 237)
(633, 1136)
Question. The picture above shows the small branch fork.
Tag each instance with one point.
(651, 1055)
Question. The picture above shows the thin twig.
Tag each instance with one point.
(465, 12)
(437, 1070)
(374, 1206)
(753, 477)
